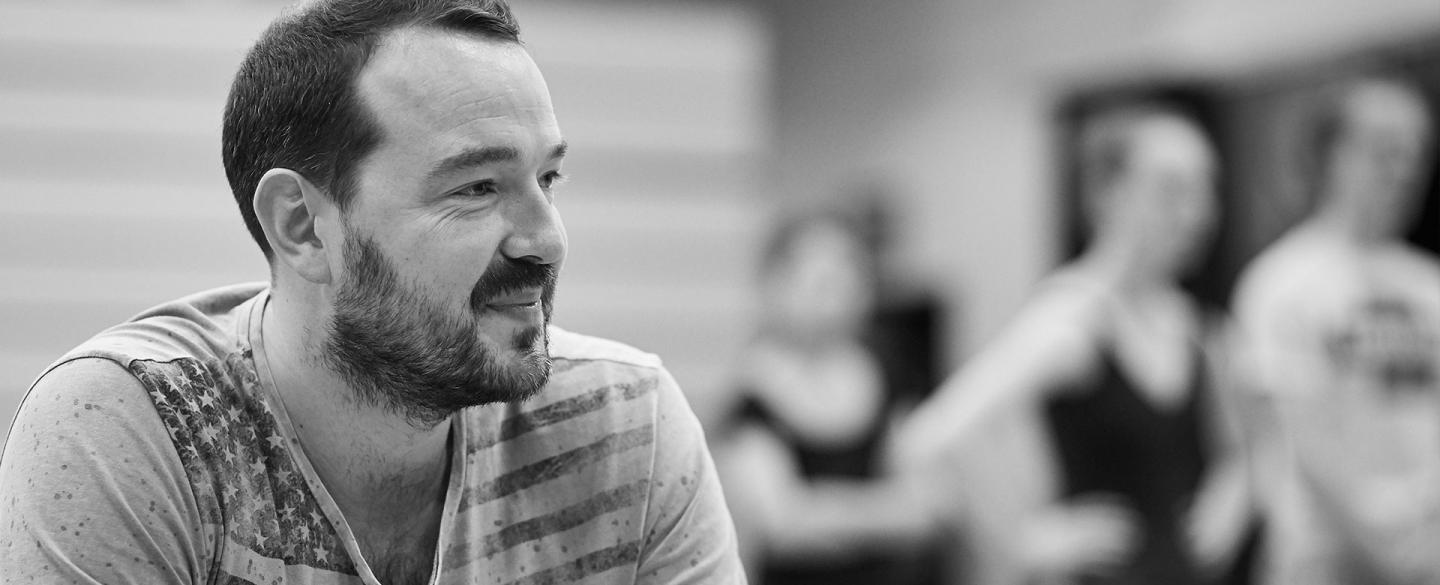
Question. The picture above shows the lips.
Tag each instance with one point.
(512, 285)
(521, 299)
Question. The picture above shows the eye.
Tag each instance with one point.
(551, 180)
(481, 189)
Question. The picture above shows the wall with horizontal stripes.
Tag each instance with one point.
(112, 196)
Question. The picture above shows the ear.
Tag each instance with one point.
(292, 210)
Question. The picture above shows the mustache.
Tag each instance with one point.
(507, 275)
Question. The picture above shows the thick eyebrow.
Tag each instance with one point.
(474, 158)
(560, 150)
(483, 156)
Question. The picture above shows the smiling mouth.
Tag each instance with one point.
(524, 301)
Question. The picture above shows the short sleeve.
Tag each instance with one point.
(689, 536)
(91, 489)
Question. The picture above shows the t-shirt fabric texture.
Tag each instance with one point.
(603, 477)
(1344, 341)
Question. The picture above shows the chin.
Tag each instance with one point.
(529, 357)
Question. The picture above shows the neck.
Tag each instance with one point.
(1122, 269)
(812, 341)
(1348, 224)
(373, 462)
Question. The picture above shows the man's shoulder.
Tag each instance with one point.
(178, 354)
(596, 381)
(1296, 265)
(575, 348)
(157, 362)
(121, 361)
(596, 419)
(200, 326)
(1408, 259)
(88, 383)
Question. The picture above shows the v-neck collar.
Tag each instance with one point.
(248, 328)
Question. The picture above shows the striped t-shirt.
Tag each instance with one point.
(603, 477)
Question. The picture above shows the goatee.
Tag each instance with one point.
(402, 350)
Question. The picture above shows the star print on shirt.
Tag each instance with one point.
(240, 466)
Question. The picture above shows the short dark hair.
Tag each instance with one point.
(294, 102)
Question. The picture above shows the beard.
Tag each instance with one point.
(402, 350)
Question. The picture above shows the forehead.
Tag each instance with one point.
(1169, 142)
(1387, 107)
(454, 86)
(825, 236)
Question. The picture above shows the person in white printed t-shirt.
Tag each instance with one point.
(1339, 324)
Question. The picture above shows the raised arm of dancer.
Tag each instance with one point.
(1240, 433)
(1049, 343)
(981, 438)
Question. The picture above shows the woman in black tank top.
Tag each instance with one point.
(799, 456)
(1082, 434)
(1111, 441)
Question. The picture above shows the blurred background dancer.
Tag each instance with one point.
(1339, 322)
(1087, 436)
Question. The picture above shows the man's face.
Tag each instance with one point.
(452, 241)
(1377, 162)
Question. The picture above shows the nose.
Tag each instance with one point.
(537, 234)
